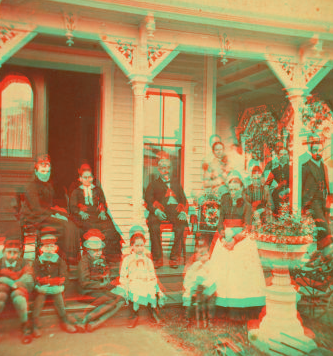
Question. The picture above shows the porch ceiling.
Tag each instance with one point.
(244, 79)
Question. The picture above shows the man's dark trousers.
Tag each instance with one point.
(179, 228)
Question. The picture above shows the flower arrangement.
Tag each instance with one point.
(263, 132)
(287, 228)
(315, 114)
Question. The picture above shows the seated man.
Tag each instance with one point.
(166, 201)
(40, 211)
(16, 282)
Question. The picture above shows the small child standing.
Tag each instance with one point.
(95, 281)
(138, 281)
(16, 281)
(199, 287)
(50, 276)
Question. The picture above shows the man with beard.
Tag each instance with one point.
(166, 201)
(280, 175)
(316, 193)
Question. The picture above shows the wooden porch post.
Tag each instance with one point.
(139, 86)
(210, 99)
(296, 97)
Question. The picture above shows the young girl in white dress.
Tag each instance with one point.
(138, 283)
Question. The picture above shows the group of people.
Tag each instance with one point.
(225, 272)
(46, 278)
(87, 210)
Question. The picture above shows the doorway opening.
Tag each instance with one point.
(73, 111)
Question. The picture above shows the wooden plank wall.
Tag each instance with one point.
(183, 68)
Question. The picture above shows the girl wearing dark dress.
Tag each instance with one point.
(38, 210)
(89, 211)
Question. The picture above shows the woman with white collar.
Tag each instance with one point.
(89, 211)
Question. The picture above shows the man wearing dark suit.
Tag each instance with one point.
(315, 190)
(166, 201)
(280, 175)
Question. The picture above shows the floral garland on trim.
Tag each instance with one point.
(315, 114)
(263, 133)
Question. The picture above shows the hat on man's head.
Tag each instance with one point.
(12, 243)
(313, 139)
(94, 243)
(48, 235)
(13, 237)
(163, 155)
(43, 159)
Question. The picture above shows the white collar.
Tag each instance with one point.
(10, 265)
(92, 186)
(318, 163)
(53, 259)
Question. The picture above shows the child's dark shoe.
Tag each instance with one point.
(26, 333)
(69, 328)
(132, 323)
(80, 326)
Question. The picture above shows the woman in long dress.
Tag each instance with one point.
(39, 209)
(89, 211)
(235, 260)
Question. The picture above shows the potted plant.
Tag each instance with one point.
(282, 244)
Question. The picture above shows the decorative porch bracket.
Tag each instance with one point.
(298, 78)
(12, 39)
(139, 59)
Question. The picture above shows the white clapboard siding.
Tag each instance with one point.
(183, 67)
(121, 180)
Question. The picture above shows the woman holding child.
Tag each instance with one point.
(238, 274)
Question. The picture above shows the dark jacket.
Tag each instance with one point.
(38, 201)
(315, 184)
(77, 201)
(91, 277)
(53, 273)
(157, 196)
(239, 215)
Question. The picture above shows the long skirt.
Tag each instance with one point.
(238, 275)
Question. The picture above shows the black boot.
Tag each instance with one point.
(37, 331)
(133, 321)
(26, 333)
(67, 326)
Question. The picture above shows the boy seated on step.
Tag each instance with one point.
(95, 281)
(50, 276)
(138, 283)
(199, 287)
(16, 282)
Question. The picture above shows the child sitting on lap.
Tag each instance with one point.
(94, 278)
(138, 281)
(50, 276)
(199, 288)
(16, 281)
